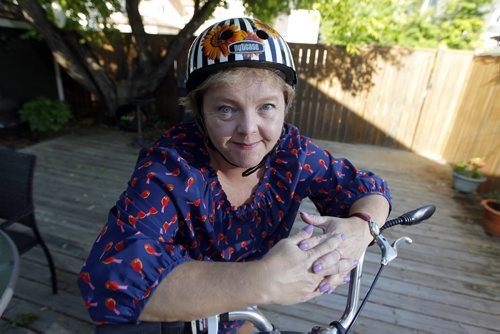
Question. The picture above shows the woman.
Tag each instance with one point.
(203, 227)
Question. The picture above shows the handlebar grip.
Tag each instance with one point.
(411, 218)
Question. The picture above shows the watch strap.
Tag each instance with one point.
(374, 229)
(361, 215)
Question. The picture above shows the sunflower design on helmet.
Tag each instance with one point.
(261, 25)
(218, 39)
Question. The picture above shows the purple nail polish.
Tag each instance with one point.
(317, 267)
(308, 228)
(343, 236)
(347, 279)
(324, 288)
(355, 262)
(304, 245)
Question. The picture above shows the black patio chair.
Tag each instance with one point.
(16, 204)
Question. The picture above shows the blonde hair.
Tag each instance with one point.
(193, 100)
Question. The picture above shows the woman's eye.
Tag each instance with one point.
(268, 107)
(226, 110)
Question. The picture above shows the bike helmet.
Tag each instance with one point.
(241, 42)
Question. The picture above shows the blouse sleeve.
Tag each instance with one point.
(137, 247)
(334, 184)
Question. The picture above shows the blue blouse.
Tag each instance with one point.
(174, 210)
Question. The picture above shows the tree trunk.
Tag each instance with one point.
(140, 37)
(77, 59)
(150, 81)
(81, 63)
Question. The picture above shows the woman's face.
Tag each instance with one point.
(244, 117)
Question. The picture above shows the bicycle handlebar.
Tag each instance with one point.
(411, 218)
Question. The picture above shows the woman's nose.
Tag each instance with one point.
(247, 123)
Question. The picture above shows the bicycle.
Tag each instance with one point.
(389, 252)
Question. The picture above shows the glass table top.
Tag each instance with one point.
(9, 267)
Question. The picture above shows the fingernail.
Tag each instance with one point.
(304, 213)
(317, 267)
(308, 228)
(347, 279)
(343, 236)
(330, 291)
(304, 245)
(355, 261)
(324, 288)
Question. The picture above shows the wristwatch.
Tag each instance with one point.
(374, 229)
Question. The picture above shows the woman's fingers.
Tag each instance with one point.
(320, 245)
(315, 220)
(330, 283)
(327, 253)
(326, 267)
(328, 240)
(303, 234)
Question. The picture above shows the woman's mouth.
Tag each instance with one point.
(247, 146)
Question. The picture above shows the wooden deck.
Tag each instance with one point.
(448, 281)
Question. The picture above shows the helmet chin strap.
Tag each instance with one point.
(247, 172)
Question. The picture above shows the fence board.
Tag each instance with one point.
(444, 94)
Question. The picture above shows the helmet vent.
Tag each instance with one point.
(226, 34)
(262, 34)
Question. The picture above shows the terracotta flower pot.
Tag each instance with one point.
(491, 221)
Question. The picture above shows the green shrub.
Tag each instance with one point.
(45, 115)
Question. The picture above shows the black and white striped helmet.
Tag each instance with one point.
(242, 42)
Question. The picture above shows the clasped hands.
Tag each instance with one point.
(304, 265)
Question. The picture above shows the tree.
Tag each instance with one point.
(74, 45)
(459, 23)
(454, 23)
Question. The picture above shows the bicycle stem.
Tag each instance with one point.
(351, 307)
(353, 294)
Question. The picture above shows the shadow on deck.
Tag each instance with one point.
(448, 281)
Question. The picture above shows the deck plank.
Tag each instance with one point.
(447, 281)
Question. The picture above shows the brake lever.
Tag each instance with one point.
(389, 251)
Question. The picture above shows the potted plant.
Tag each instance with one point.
(466, 175)
(491, 207)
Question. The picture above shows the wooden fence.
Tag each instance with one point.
(444, 104)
